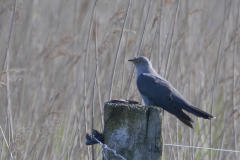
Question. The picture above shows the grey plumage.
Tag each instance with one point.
(157, 91)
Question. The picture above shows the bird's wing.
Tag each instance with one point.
(152, 86)
(159, 92)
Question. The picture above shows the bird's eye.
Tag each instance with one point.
(139, 61)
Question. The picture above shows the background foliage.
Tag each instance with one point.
(59, 58)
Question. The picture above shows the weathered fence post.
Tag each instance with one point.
(134, 131)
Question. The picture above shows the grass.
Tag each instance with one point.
(59, 60)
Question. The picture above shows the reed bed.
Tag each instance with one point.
(61, 60)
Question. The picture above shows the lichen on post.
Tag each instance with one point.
(133, 130)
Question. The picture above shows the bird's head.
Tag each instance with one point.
(140, 62)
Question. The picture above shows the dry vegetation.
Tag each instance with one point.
(57, 64)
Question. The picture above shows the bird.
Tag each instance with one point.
(157, 91)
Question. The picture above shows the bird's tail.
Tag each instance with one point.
(199, 113)
(188, 123)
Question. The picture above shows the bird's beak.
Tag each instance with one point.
(132, 60)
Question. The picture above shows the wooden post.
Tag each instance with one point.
(134, 131)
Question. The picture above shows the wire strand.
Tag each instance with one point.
(202, 148)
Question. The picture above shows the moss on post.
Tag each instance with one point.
(133, 130)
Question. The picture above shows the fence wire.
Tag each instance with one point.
(174, 145)
(107, 148)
